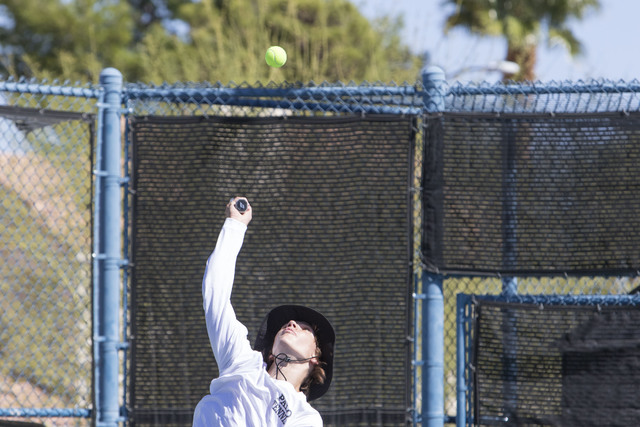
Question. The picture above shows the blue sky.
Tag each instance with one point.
(609, 36)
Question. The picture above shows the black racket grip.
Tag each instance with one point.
(241, 205)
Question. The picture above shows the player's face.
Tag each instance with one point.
(295, 338)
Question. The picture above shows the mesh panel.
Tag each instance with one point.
(521, 194)
(45, 273)
(556, 365)
(331, 230)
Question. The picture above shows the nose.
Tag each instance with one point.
(292, 323)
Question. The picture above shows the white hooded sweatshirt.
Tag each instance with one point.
(244, 394)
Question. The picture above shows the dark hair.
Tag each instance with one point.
(317, 375)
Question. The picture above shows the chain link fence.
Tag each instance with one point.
(46, 157)
(47, 143)
(553, 99)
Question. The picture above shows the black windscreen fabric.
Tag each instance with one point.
(556, 365)
(331, 230)
(532, 194)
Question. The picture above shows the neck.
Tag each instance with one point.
(293, 372)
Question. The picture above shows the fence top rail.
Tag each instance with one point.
(548, 88)
(377, 97)
(369, 98)
(587, 300)
(537, 97)
(595, 96)
(284, 91)
(32, 87)
(46, 412)
(326, 90)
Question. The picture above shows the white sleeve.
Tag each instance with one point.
(227, 335)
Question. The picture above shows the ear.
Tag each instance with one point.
(314, 361)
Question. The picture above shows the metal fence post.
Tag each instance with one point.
(433, 306)
(434, 83)
(461, 363)
(108, 258)
(432, 352)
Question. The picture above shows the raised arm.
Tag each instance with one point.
(227, 335)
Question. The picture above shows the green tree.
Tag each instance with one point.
(205, 40)
(65, 39)
(523, 23)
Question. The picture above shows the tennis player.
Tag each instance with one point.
(291, 365)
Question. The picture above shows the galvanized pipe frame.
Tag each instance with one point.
(464, 325)
(67, 91)
(433, 97)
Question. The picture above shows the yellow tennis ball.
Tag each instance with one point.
(275, 56)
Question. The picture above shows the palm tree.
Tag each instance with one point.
(524, 24)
